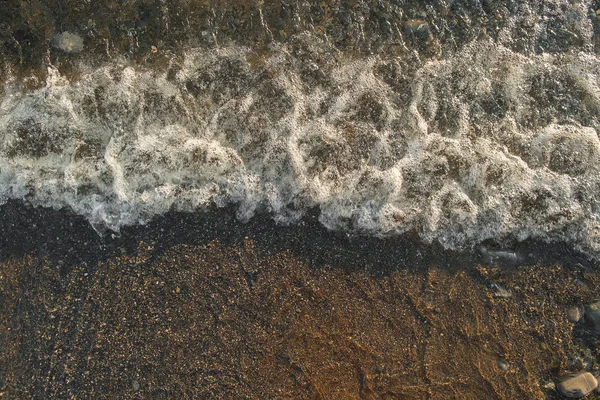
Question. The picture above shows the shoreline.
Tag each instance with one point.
(49, 232)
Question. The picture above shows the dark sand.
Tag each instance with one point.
(200, 306)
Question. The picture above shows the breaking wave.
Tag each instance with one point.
(487, 143)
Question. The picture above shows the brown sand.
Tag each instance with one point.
(242, 321)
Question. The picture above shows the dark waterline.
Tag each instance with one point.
(60, 235)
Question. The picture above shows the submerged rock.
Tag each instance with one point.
(577, 385)
(592, 314)
(574, 314)
(68, 42)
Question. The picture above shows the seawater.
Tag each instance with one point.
(485, 143)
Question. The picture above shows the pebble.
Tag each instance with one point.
(577, 385)
(592, 314)
(500, 291)
(503, 364)
(68, 42)
(574, 314)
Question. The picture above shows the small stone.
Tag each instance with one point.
(503, 364)
(592, 314)
(68, 42)
(577, 385)
(574, 314)
(500, 291)
(135, 385)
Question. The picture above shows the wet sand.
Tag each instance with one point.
(200, 306)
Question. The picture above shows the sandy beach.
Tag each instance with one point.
(201, 306)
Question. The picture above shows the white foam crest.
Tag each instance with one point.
(487, 144)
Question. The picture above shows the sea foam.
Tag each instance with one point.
(484, 144)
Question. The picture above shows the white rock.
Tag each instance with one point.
(577, 385)
(574, 314)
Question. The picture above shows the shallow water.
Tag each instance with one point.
(486, 140)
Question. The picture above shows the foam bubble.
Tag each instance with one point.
(68, 42)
